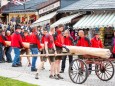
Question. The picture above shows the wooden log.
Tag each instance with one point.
(26, 45)
(99, 52)
(38, 55)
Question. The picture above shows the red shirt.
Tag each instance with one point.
(59, 40)
(68, 41)
(96, 43)
(49, 38)
(34, 39)
(16, 40)
(8, 38)
(43, 39)
(26, 39)
(83, 41)
(2, 40)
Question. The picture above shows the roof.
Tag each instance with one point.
(82, 5)
(65, 3)
(29, 6)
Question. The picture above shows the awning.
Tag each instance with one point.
(96, 21)
(44, 19)
(65, 20)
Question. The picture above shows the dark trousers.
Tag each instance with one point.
(64, 61)
(113, 55)
(8, 54)
(1, 52)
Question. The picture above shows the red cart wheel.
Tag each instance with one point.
(78, 71)
(105, 70)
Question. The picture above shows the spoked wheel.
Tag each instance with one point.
(105, 70)
(78, 71)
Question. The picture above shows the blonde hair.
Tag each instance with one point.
(66, 31)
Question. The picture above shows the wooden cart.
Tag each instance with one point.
(79, 69)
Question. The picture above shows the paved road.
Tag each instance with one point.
(24, 74)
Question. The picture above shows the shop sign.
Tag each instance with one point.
(50, 7)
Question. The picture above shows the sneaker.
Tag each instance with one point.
(14, 65)
(56, 77)
(61, 71)
(36, 76)
(51, 76)
(19, 65)
(59, 76)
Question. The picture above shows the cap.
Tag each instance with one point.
(17, 26)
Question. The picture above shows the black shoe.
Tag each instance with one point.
(62, 71)
(1, 62)
(9, 61)
(33, 69)
(56, 77)
(36, 77)
(51, 76)
(59, 76)
(19, 65)
(14, 65)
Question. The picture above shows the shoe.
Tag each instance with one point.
(14, 65)
(59, 76)
(9, 61)
(1, 62)
(19, 65)
(33, 69)
(61, 71)
(56, 77)
(36, 76)
(51, 76)
(43, 68)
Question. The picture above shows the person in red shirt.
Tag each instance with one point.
(8, 48)
(49, 49)
(34, 46)
(59, 43)
(2, 43)
(84, 42)
(96, 41)
(69, 41)
(16, 44)
(43, 58)
(26, 38)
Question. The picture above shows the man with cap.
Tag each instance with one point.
(16, 43)
(96, 41)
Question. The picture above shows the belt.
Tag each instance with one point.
(33, 46)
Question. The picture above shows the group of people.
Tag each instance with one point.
(54, 41)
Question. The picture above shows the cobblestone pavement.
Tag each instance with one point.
(24, 74)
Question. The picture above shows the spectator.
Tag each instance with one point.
(69, 41)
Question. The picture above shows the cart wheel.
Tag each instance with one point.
(78, 71)
(105, 70)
